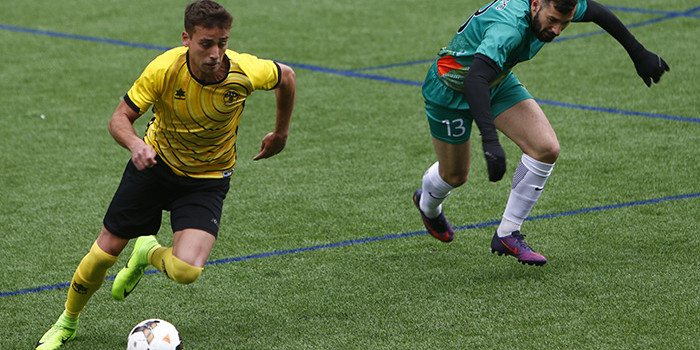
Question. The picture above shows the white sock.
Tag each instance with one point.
(435, 191)
(528, 182)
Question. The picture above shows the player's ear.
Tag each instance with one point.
(185, 39)
(534, 6)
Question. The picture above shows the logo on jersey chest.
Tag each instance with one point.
(231, 97)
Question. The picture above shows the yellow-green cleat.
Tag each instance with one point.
(61, 332)
(131, 274)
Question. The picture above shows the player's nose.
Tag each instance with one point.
(557, 28)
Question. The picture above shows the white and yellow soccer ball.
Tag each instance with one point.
(154, 334)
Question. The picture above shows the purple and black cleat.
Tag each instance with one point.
(514, 244)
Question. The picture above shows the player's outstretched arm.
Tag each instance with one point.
(649, 65)
(285, 93)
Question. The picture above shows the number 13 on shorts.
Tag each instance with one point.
(449, 125)
(455, 128)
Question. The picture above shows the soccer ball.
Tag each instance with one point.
(154, 334)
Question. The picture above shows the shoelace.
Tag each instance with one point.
(520, 239)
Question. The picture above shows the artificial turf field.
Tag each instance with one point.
(321, 247)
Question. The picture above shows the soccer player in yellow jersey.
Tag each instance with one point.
(182, 164)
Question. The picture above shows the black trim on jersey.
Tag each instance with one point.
(478, 13)
(226, 59)
(131, 104)
(279, 76)
(476, 89)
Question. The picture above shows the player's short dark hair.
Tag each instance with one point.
(563, 6)
(208, 14)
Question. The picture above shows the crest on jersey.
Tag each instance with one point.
(231, 97)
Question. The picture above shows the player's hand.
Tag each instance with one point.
(650, 66)
(143, 156)
(495, 160)
(272, 144)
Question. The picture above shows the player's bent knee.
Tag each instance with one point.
(188, 276)
(554, 150)
(456, 180)
(182, 272)
(94, 266)
(101, 258)
(552, 154)
(547, 154)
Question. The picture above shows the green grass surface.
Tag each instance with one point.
(623, 277)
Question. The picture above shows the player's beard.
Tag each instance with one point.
(542, 35)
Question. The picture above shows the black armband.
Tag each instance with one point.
(131, 104)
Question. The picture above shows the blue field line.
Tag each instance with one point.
(640, 10)
(600, 32)
(352, 73)
(83, 37)
(687, 13)
(395, 65)
(614, 206)
(382, 238)
(619, 111)
(347, 73)
(666, 15)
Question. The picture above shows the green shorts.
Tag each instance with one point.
(455, 125)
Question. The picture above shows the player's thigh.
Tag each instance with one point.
(136, 208)
(448, 125)
(195, 217)
(520, 118)
(451, 129)
(526, 124)
(199, 205)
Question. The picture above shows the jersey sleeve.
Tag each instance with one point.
(148, 87)
(498, 42)
(263, 74)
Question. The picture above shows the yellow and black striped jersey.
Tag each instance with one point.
(195, 124)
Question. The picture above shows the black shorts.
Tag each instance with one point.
(137, 207)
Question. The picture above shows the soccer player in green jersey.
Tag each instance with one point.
(471, 80)
(184, 162)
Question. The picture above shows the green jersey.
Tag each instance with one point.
(500, 31)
